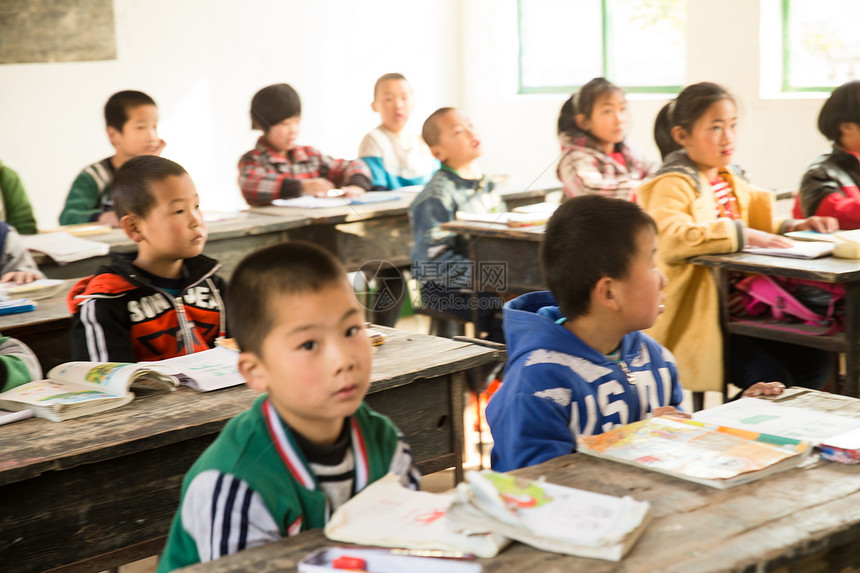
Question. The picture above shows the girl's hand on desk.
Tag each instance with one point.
(820, 224)
(764, 389)
(670, 411)
(758, 238)
(19, 277)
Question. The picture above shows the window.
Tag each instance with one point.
(820, 44)
(639, 45)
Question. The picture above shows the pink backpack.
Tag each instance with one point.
(762, 294)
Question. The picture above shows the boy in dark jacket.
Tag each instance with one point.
(165, 300)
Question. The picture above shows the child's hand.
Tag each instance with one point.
(19, 277)
(764, 389)
(161, 145)
(670, 411)
(352, 191)
(758, 238)
(109, 218)
(820, 224)
(318, 187)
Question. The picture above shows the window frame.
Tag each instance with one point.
(785, 85)
(606, 71)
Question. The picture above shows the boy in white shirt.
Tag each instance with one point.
(396, 157)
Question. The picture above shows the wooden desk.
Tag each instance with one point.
(102, 490)
(827, 269)
(45, 330)
(229, 240)
(797, 521)
(358, 234)
(515, 247)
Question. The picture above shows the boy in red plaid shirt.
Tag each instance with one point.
(278, 169)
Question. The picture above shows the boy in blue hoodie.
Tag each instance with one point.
(578, 363)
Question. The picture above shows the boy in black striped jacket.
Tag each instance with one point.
(164, 300)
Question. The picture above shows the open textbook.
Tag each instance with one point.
(64, 247)
(548, 516)
(77, 389)
(204, 371)
(829, 421)
(708, 454)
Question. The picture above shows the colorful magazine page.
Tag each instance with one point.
(710, 455)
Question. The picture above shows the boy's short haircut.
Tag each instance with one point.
(273, 104)
(430, 129)
(285, 268)
(843, 106)
(131, 188)
(587, 238)
(118, 105)
(385, 78)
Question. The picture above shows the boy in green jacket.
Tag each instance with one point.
(308, 444)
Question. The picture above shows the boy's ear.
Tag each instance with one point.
(679, 134)
(131, 225)
(114, 135)
(373, 106)
(438, 153)
(253, 371)
(604, 294)
(582, 122)
(848, 128)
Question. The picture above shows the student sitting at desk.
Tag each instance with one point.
(15, 205)
(703, 205)
(16, 264)
(164, 300)
(830, 185)
(278, 169)
(440, 259)
(595, 158)
(132, 127)
(310, 443)
(395, 157)
(578, 361)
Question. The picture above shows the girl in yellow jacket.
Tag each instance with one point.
(702, 206)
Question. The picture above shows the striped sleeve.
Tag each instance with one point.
(222, 515)
(101, 333)
(403, 465)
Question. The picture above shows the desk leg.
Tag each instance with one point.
(457, 387)
(852, 344)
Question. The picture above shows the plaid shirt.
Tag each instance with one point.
(584, 169)
(265, 175)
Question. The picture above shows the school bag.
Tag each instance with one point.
(792, 305)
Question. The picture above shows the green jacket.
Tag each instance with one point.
(242, 493)
(16, 208)
(18, 364)
(89, 194)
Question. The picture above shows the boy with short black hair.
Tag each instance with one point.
(278, 169)
(440, 259)
(131, 119)
(578, 361)
(164, 300)
(310, 443)
(396, 157)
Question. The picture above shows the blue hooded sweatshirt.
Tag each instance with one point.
(557, 387)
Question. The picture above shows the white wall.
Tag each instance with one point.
(778, 135)
(202, 61)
